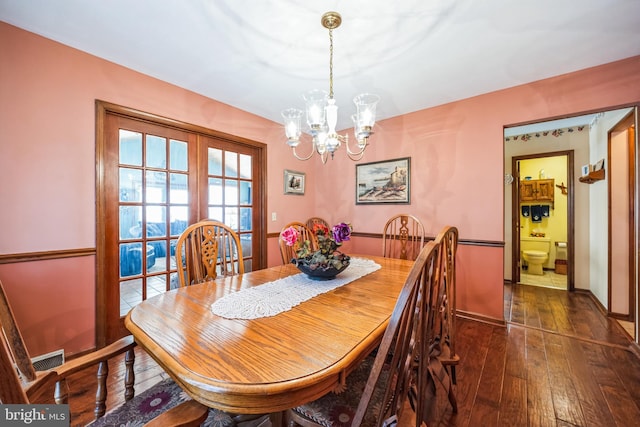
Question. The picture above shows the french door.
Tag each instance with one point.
(155, 179)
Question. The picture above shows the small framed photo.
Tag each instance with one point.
(383, 182)
(586, 170)
(599, 165)
(294, 182)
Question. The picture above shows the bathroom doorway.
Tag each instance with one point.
(591, 252)
(542, 212)
(567, 137)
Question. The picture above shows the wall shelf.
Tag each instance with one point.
(592, 177)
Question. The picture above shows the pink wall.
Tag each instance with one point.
(457, 171)
(478, 269)
(47, 141)
(47, 167)
(47, 112)
(54, 302)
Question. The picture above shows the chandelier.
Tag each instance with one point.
(322, 114)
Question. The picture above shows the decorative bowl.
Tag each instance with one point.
(319, 273)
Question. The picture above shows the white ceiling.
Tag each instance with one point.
(260, 56)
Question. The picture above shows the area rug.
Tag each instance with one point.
(339, 409)
(151, 403)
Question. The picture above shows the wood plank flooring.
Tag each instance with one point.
(558, 362)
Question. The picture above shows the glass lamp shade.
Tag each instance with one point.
(361, 137)
(292, 125)
(365, 113)
(315, 102)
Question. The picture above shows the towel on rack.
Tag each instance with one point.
(536, 213)
(525, 211)
(545, 211)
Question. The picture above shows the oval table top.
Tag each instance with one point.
(273, 363)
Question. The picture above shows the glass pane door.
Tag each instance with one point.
(230, 199)
(153, 210)
(156, 176)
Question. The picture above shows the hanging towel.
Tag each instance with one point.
(545, 211)
(525, 211)
(536, 213)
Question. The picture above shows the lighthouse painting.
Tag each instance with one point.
(383, 182)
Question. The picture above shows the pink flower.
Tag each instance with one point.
(290, 236)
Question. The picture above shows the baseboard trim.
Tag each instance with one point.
(603, 309)
(635, 349)
(619, 316)
(481, 318)
(595, 300)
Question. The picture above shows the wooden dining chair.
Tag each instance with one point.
(430, 371)
(448, 239)
(403, 237)
(402, 364)
(21, 384)
(305, 233)
(207, 249)
(316, 220)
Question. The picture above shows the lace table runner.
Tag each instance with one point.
(283, 294)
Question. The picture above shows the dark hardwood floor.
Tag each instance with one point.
(558, 362)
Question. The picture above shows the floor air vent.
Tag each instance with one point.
(48, 361)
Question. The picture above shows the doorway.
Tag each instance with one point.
(542, 212)
(157, 176)
(621, 169)
(589, 258)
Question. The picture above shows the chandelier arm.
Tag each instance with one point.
(355, 156)
(341, 138)
(313, 150)
(355, 153)
(360, 151)
(324, 157)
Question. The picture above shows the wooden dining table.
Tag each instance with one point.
(269, 364)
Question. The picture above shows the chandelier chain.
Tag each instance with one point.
(330, 63)
(322, 112)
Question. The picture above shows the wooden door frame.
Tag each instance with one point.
(105, 334)
(515, 214)
(628, 123)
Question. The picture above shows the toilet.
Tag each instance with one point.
(535, 251)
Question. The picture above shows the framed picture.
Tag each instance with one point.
(294, 182)
(599, 165)
(384, 182)
(586, 169)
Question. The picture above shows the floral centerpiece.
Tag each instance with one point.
(326, 261)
